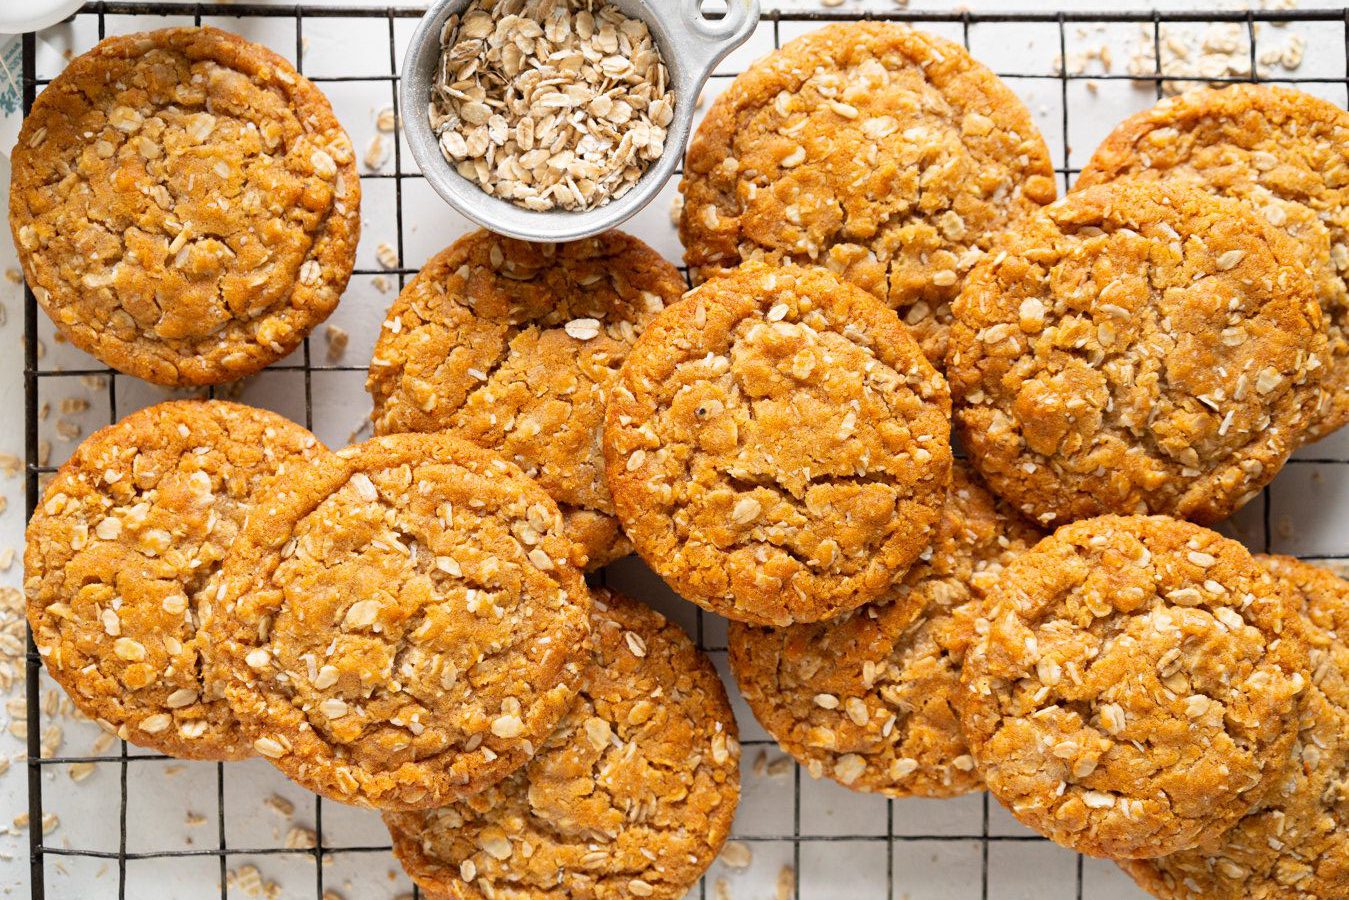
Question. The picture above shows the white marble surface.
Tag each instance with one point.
(937, 851)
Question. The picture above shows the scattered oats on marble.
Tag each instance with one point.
(550, 104)
(377, 154)
(386, 120)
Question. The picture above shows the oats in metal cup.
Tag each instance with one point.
(550, 104)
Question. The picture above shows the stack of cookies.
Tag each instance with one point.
(1125, 365)
(881, 268)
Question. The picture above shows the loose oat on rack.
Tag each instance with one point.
(550, 104)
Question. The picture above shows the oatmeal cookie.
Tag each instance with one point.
(402, 624)
(867, 699)
(886, 154)
(185, 205)
(631, 797)
(1296, 845)
(1284, 151)
(1132, 690)
(777, 445)
(124, 560)
(514, 346)
(1137, 348)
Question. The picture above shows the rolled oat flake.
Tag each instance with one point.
(550, 104)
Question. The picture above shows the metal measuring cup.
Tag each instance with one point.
(690, 44)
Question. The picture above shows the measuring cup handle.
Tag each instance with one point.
(710, 40)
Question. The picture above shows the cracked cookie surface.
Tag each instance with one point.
(867, 699)
(884, 153)
(1136, 348)
(777, 445)
(402, 624)
(185, 205)
(124, 557)
(1133, 687)
(631, 797)
(1295, 846)
(514, 345)
(1283, 151)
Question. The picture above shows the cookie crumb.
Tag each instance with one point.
(337, 339)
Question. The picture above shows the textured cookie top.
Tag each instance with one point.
(1282, 150)
(631, 797)
(401, 624)
(514, 345)
(1133, 688)
(884, 153)
(1296, 845)
(185, 205)
(124, 558)
(1136, 348)
(868, 699)
(778, 446)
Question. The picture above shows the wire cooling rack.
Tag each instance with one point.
(837, 844)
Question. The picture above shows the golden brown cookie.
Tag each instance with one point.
(1284, 151)
(402, 625)
(1136, 348)
(514, 346)
(778, 446)
(631, 797)
(124, 561)
(1296, 845)
(867, 699)
(1133, 688)
(185, 205)
(886, 154)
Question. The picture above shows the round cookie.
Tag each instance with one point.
(632, 796)
(1284, 151)
(402, 625)
(124, 559)
(777, 446)
(884, 153)
(514, 345)
(1136, 348)
(1133, 687)
(1296, 845)
(185, 204)
(867, 699)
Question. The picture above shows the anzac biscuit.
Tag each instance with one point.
(1133, 688)
(1296, 845)
(778, 447)
(401, 625)
(1284, 151)
(124, 561)
(514, 346)
(868, 699)
(1136, 348)
(185, 205)
(886, 154)
(631, 797)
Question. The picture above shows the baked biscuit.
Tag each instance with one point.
(185, 205)
(124, 561)
(867, 699)
(1284, 151)
(514, 346)
(777, 446)
(631, 797)
(1295, 845)
(1136, 348)
(886, 154)
(401, 625)
(1133, 688)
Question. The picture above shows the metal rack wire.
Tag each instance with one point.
(36, 378)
